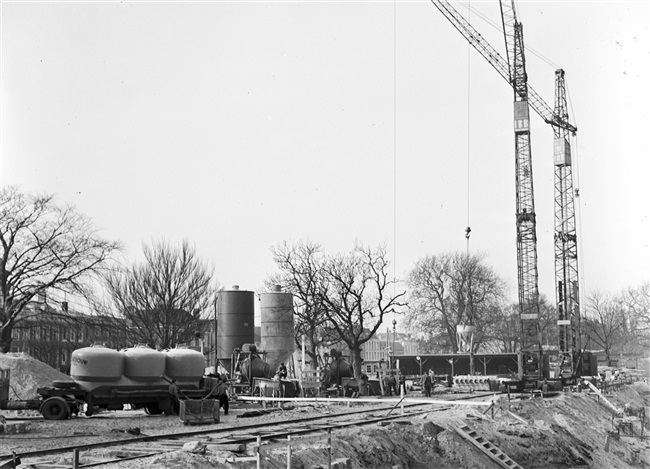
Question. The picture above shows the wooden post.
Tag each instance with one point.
(329, 448)
(302, 367)
(75, 459)
(259, 452)
(289, 452)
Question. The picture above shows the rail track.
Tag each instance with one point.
(217, 437)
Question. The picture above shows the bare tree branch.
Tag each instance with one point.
(45, 247)
(164, 299)
(449, 290)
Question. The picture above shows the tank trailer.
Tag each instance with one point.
(108, 379)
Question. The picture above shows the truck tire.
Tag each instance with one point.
(64, 384)
(55, 408)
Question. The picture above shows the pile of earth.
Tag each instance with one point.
(565, 431)
(27, 374)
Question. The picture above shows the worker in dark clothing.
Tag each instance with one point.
(222, 394)
(282, 371)
(391, 384)
(217, 387)
(426, 383)
(175, 396)
(402, 383)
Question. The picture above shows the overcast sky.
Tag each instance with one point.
(239, 125)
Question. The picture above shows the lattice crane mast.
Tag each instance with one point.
(513, 71)
(566, 248)
(531, 343)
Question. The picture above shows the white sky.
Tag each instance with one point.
(238, 125)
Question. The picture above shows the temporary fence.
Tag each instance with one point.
(263, 449)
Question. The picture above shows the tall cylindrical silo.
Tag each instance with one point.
(277, 333)
(235, 321)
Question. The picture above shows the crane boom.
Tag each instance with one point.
(499, 64)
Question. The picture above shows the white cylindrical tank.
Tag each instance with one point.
(184, 365)
(142, 363)
(277, 333)
(96, 364)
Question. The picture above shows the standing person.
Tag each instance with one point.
(392, 384)
(282, 375)
(426, 380)
(175, 396)
(402, 383)
(282, 371)
(222, 394)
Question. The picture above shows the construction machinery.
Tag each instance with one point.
(570, 361)
(513, 70)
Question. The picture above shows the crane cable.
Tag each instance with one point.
(468, 312)
(469, 114)
(498, 28)
(394, 147)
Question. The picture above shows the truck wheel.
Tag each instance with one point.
(55, 408)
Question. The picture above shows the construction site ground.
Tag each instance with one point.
(570, 429)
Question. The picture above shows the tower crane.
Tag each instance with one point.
(513, 70)
(566, 248)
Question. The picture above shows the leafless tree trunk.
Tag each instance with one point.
(604, 322)
(357, 296)
(43, 247)
(506, 329)
(635, 302)
(454, 289)
(165, 298)
(341, 298)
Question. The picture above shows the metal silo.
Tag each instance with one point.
(235, 321)
(277, 334)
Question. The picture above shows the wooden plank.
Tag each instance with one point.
(318, 440)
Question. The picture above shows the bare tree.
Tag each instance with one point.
(635, 302)
(604, 321)
(506, 328)
(341, 298)
(44, 247)
(164, 299)
(453, 289)
(356, 297)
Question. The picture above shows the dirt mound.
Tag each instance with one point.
(28, 374)
(636, 394)
(569, 430)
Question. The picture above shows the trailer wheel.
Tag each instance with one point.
(55, 408)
